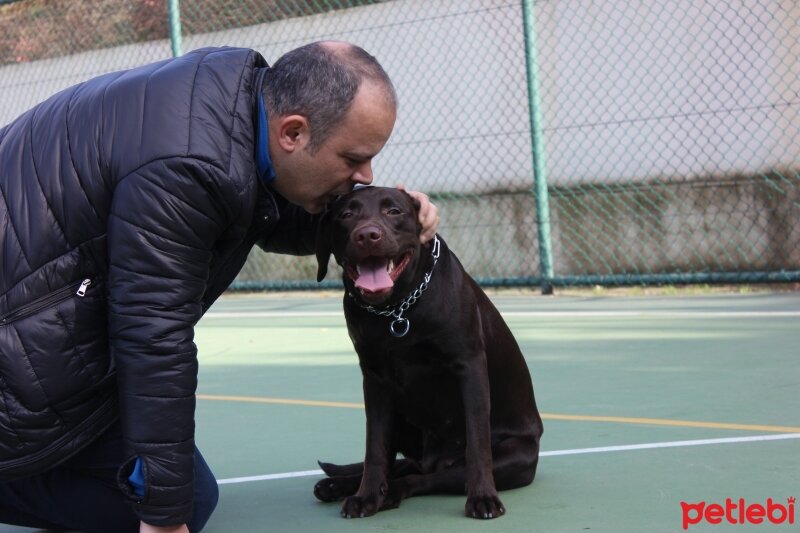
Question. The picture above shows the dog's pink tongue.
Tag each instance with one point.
(372, 275)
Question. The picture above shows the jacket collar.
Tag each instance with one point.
(263, 162)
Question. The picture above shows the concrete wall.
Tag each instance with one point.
(742, 224)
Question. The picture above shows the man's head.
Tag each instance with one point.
(331, 109)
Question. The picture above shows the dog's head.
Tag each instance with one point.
(373, 233)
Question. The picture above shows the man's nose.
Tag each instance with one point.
(363, 174)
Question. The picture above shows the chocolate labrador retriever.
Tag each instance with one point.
(445, 383)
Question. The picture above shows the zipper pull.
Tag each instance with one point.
(84, 285)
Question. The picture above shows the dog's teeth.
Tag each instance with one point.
(358, 269)
(390, 266)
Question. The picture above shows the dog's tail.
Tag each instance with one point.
(401, 467)
(332, 470)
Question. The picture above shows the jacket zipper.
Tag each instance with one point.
(46, 301)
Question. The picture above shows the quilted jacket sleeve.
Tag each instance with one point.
(165, 218)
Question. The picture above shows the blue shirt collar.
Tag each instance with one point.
(263, 161)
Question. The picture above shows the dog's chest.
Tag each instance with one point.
(420, 381)
(409, 370)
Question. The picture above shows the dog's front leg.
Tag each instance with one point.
(370, 495)
(482, 499)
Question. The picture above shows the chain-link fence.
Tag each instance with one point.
(565, 141)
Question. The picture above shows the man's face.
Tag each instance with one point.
(312, 179)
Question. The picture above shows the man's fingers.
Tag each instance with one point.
(428, 216)
(427, 235)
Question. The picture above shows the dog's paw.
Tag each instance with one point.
(360, 507)
(395, 493)
(325, 491)
(334, 489)
(484, 507)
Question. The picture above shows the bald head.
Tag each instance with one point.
(320, 81)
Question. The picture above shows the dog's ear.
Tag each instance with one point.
(416, 205)
(324, 245)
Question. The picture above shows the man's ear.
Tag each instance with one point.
(293, 132)
(324, 245)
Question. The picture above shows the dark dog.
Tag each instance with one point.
(445, 383)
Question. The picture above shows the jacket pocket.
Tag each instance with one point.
(48, 300)
(54, 350)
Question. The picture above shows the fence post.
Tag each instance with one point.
(537, 150)
(175, 27)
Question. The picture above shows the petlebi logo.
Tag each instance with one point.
(739, 512)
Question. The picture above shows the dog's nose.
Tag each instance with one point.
(368, 235)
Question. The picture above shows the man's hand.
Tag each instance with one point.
(428, 214)
(147, 528)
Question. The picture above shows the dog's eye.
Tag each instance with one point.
(345, 214)
(393, 211)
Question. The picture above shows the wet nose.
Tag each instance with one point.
(368, 235)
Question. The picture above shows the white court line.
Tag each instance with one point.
(673, 444)
(286, 475)
(578, 451)
(533, 314)
(660, 314)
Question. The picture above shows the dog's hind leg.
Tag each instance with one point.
(401, 467)
(447, 481)
(514, 462)
(336, 488)
(343, 480)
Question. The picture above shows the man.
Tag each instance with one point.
(128, 204)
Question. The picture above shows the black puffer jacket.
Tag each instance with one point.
(138, 190)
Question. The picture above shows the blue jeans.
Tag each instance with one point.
(81, 494)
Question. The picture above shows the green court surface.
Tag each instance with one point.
(647, 402)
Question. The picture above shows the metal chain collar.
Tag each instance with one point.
(399, 326)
